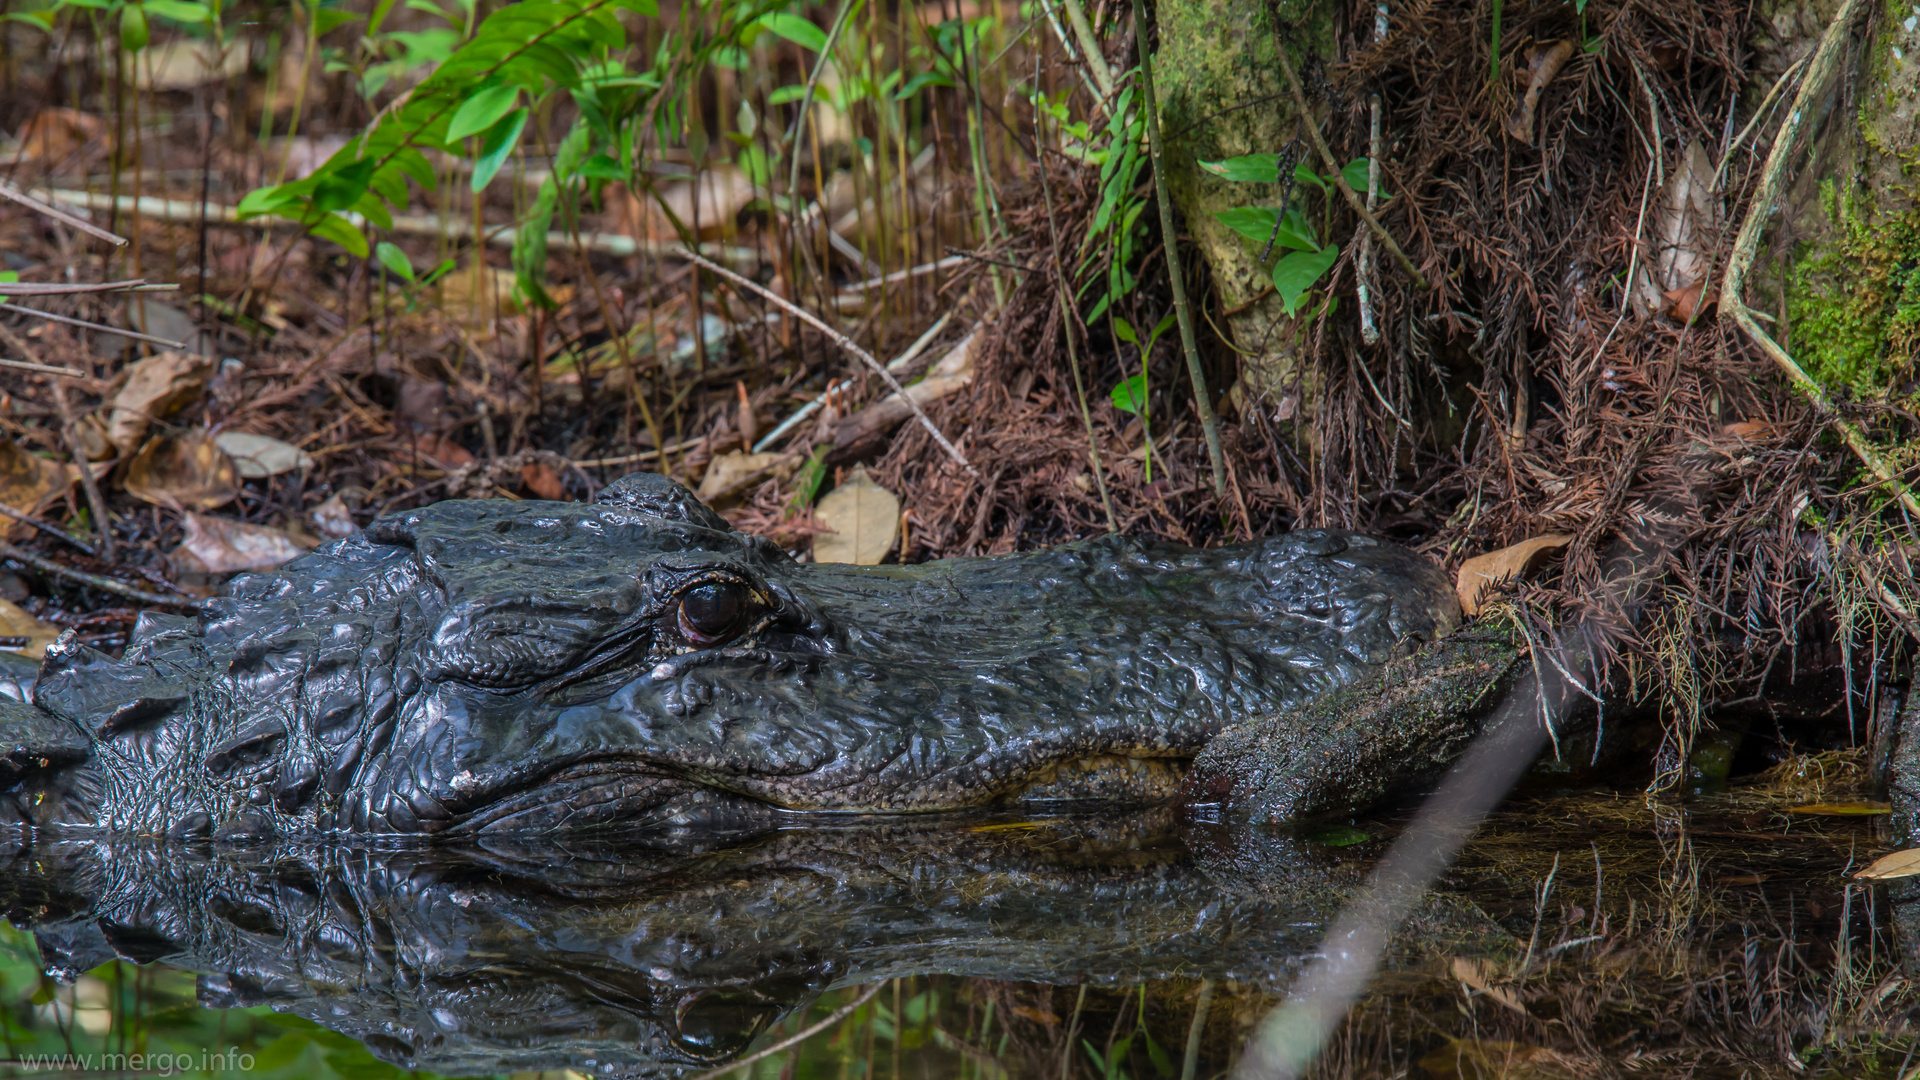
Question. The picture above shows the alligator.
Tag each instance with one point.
(523, 954)
(634, 663)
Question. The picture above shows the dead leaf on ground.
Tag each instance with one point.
(186, 472)
(1842, 809)
(733, 472)
(219, 546)
(1683, 302)
(257, 456)
(1897, 865)
(865, 519)
(1484, 573)
(1749, 430)
(28, 482)
(50, 136)
(1543, 65)
(477, 297)
(441, 451)
(333, 519)
(1686, 236)
(92, 429)
(156, 387)
(15, 622)
(1479, 975)
(542, 479)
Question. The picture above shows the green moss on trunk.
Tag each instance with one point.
(1853, 273)
(1222, 95)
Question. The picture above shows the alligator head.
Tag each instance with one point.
(501, 666)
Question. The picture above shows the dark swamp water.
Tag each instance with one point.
(1583, 933)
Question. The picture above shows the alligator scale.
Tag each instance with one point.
(496, 667)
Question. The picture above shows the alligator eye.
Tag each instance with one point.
(713, 612)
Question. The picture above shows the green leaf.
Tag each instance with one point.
(1162, 1061)
(329, 19)
(1123, 330)
(1304, 175)
(1130, 395)
(481, 112)
(379, 16)
(343, 232)
(8, 275)
(1247, 169)
(266, 200)
(921, 82)
(1295, 274)
(602, 167)
(796, 29)
(394, 259)
(133, 29)
(338, 189)
(1256, 224)
(181, 11)
(1339, 836)
(1162, 327)
(500, 142)
(1356, 174)
(788, 94)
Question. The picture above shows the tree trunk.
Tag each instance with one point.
(1223, 95)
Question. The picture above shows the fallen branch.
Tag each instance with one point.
(841, 387)
(84, 324)
(95, 581)
(45, 369)
(47, 527)
(61, 216)
(61, 288)
(845, 343)
(1733, 306)
(614, 244)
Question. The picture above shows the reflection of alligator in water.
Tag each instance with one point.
(466, 959)
(491, 667)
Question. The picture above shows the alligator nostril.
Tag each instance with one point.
(196, 824)
(297, 786)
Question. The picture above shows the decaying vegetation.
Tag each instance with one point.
(440, 250)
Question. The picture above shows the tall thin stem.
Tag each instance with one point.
(1183, 308)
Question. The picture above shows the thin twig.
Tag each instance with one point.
(58, 288)
(61, 216)
(947, 263)
(45, 369)
(1333, 168)
(1183, 307)
(895, 364)
(47, 527)
(84, 324)
(104, 584)
(1733, 304)
(846, 343)
(102, 523)
(837, 1015)
(644, 455)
